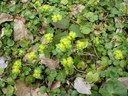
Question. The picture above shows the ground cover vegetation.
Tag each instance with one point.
(63, 47)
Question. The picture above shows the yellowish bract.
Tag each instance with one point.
(31, 56)
(48, 37)
(16, 71)
(80, 45)
(66, 42)
(72, 35)
(118, 54)
(61, 47)
(67, 62)
(41, 48)
(37, 73)
(45, 7)
(56, 18)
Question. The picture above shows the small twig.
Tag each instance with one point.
(79, 70)
(87, 53)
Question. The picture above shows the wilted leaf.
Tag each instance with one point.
(20, 30)
(81, 86)
(50, 63)
(23, 1)
(36, 92)
(2, 63)
(2, 32)
(55, 84)
(77, 9)
(24, 90)
(124, 80)
(5, 17)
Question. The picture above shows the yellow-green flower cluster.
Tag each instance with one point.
(45, 7)
(65, 43)
(16, 67)
(118, 54)
(37, 3)
(72, 35)
(56, 18)
(67, 62)
(80, 45)
(41, 47)
(31, 56)
(21, 52)
(37, 73)
(96, 40)
(48, 37)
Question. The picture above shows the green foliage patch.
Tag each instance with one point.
(49, 43)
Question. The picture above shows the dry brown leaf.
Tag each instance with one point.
(24, 90)
(55, 84)
(2, 32)
(23, 1)
(2, 62)
(81, 86)
(50, 63)
(124, 80)
(20, 30)
(5, 17)
(4, 90)
(35, 92)
(77, 9)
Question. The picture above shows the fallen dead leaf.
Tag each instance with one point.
(2, 62)
(23, 1)
(5, 17)
(35, 92)
(4, 90)
(81, 86)
(55, 84)
(50, 63)
(2, 32)
(77, 9)
(124, 80)
(20, 30)
(23, 89)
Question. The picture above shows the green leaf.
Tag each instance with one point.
(61, 76)
(62, 24)
(92, 77)
(10, 42)
(42, 89)
(10, 90)
(113, 88)
(76, 28)
(1, 70)
(123, 63)
(85, 29)
(108, 45)
(104, 61)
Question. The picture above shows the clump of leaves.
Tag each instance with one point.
(49, 43)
